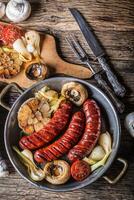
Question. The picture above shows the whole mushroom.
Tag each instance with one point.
(75, 92)
(57, 172)
(18, 10)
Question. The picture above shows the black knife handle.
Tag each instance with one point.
(117, 87)
(103, 84)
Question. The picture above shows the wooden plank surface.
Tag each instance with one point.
(113, 22)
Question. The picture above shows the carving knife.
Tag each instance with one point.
(98, 52)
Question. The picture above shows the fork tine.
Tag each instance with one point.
(71, 43)
(78, 45)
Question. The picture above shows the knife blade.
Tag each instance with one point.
(98, 52)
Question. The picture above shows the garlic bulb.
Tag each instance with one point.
(2, 9)
(18, 10)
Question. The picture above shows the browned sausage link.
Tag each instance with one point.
(91, 134)
(50, 131)
(65, 143)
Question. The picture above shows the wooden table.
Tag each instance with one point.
(113, 22)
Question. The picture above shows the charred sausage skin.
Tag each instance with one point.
(65, 143)
(91, 133)
(50, 131)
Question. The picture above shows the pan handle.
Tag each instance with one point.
(119, 176)
(5, 91)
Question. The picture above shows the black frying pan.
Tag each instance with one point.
(111, 122)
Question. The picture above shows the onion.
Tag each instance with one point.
(105, 141)
(100, 153)
(28, 154)
(36, 173)
(97, 154)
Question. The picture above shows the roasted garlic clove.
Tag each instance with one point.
(33, 114)
(38, 126)
(57, 172)
(75, 92)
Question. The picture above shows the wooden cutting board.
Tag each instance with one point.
(56, 65)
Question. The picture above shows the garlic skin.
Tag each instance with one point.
(2, 9)
(18, 10)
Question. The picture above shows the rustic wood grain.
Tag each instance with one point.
(113, 22)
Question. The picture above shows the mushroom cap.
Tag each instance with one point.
(18, 11)
(75, 92)
(60, 170)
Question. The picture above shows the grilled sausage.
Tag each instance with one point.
(50, 130)
(65, 143)
(91, 134)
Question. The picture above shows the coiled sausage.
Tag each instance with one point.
(66, 142)
(50, 131)
(91, 134)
